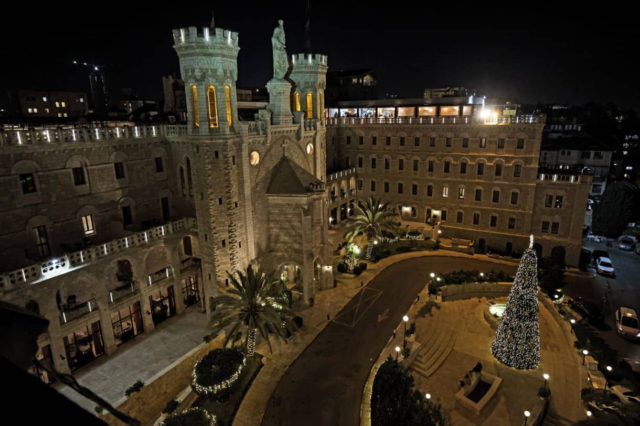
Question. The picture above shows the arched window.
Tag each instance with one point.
(189, 179)
(309, 105)
(297, 99)
(320, 102)
(196, 114)
(227, 97)
(213, 107)
(182, 182)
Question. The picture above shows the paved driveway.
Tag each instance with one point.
(324, 385)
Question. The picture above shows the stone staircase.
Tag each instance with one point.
(434, 350)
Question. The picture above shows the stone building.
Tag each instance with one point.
(109, 230)
(473, 175)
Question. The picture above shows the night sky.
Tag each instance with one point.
(554, 54)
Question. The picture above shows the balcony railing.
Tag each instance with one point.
(70, 313)
(509, 119)
(189, 262)
(340, 174)
(53, 267)
(125, 290)
(160, 275)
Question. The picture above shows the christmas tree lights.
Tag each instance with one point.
(517, 341)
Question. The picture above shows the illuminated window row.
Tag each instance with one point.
(212, 104)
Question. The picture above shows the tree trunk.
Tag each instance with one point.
(251, 342)
(369, 250)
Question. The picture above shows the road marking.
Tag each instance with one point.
(383, 316)
(350, 318)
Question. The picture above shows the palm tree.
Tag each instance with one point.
(257, 302)
(372, 217)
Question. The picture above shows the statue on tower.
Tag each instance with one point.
(280, 57)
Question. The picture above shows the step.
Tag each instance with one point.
(433, 355)
(432, 345)
(437, 363)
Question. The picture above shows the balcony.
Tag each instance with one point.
(123, 291)
(160, 275)
(50, 268)
(189, 262)
(75, 311)
(499, 120)
(341, 174)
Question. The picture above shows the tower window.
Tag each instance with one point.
(309, 105)
(227, 97)
(28, 183)
(78, 176)
(213, 107)
(196, 114)
(87, 225)
(159, 165)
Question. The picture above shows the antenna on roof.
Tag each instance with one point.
(212, 25)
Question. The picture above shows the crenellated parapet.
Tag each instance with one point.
(221, 40)
(309, 73)
(309, 60)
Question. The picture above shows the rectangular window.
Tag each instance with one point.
(517, 170)
(445, 191)
(373, 163)
(514, 197)
(429, 190)
(443, 215)
(373, 186)
(402, 141)
(448, 142)
(476, 218)
(415, 165)
(360, 140)
(585, 155)
(388, 140)
(360, 184)
(494, 221)
(42, 240)
(28, 183)
(159, 165)
(558, 204)
(512, 223)
(430, 168)
(387, 163)
(498, 169)
(386, 187)
(119, 168)
(496, 196)
(374, 140)
(78, 176)
(465, 142)
(548, 200)
(483, 142)
(545, 227)
(447, 166)
(555, 227)
(432, 141)
(400, 164)
(416, 141)
(478, 194)
(126, 216)
(461, 193)
(480, 169)
(360, 161)
(400, 188)
(459, 216)
(501, 143)
(348, 140)
(463, 167)
(87, 225)
(414, 189)
(520, 144)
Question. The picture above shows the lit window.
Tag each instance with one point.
(196, 113)
(445, 191)
(81, 100)
(461, 193)
(309, 105)
(87, 225)
(44, 99)
(59, 115)
(30, 110)
(57, 104)
(64, 104)
(65, 115)
(298, 108)
(227, 96)
(35, 110)
(213, 106)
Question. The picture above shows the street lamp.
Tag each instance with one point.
(609, 370)
(428, 396)
(526, 417)
(432, 275)
(404, 338)
(588, 413)
(397, 352)
(546, 380)
(584, 355)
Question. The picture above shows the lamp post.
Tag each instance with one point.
(584, 355)
(526, 417)
(405, 319)
(397, 352)
(546, 381)
(609, 370)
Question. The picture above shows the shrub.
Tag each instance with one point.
(217, 371)
(134, 388)
(406, 352)
(403, 249)
(342, 268)
(191, 417)
(99, 409)
(171, 406)
(361, 267)
(412, 329)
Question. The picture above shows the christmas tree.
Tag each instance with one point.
(517, 341)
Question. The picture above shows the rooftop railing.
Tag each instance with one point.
(53, 267)
(499, 120)
(340, 174)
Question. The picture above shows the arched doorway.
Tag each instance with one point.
(291, 275)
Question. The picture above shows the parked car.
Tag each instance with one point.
(627, 323)
(625, 395)
(626, 243)
(588, 310)
(605, 267)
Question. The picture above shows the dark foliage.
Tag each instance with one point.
(171, 406)
(134, 388)
(218, 365)
(192, 417)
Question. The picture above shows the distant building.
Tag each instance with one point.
(47, 104)
(175, 101)
(351, 85)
